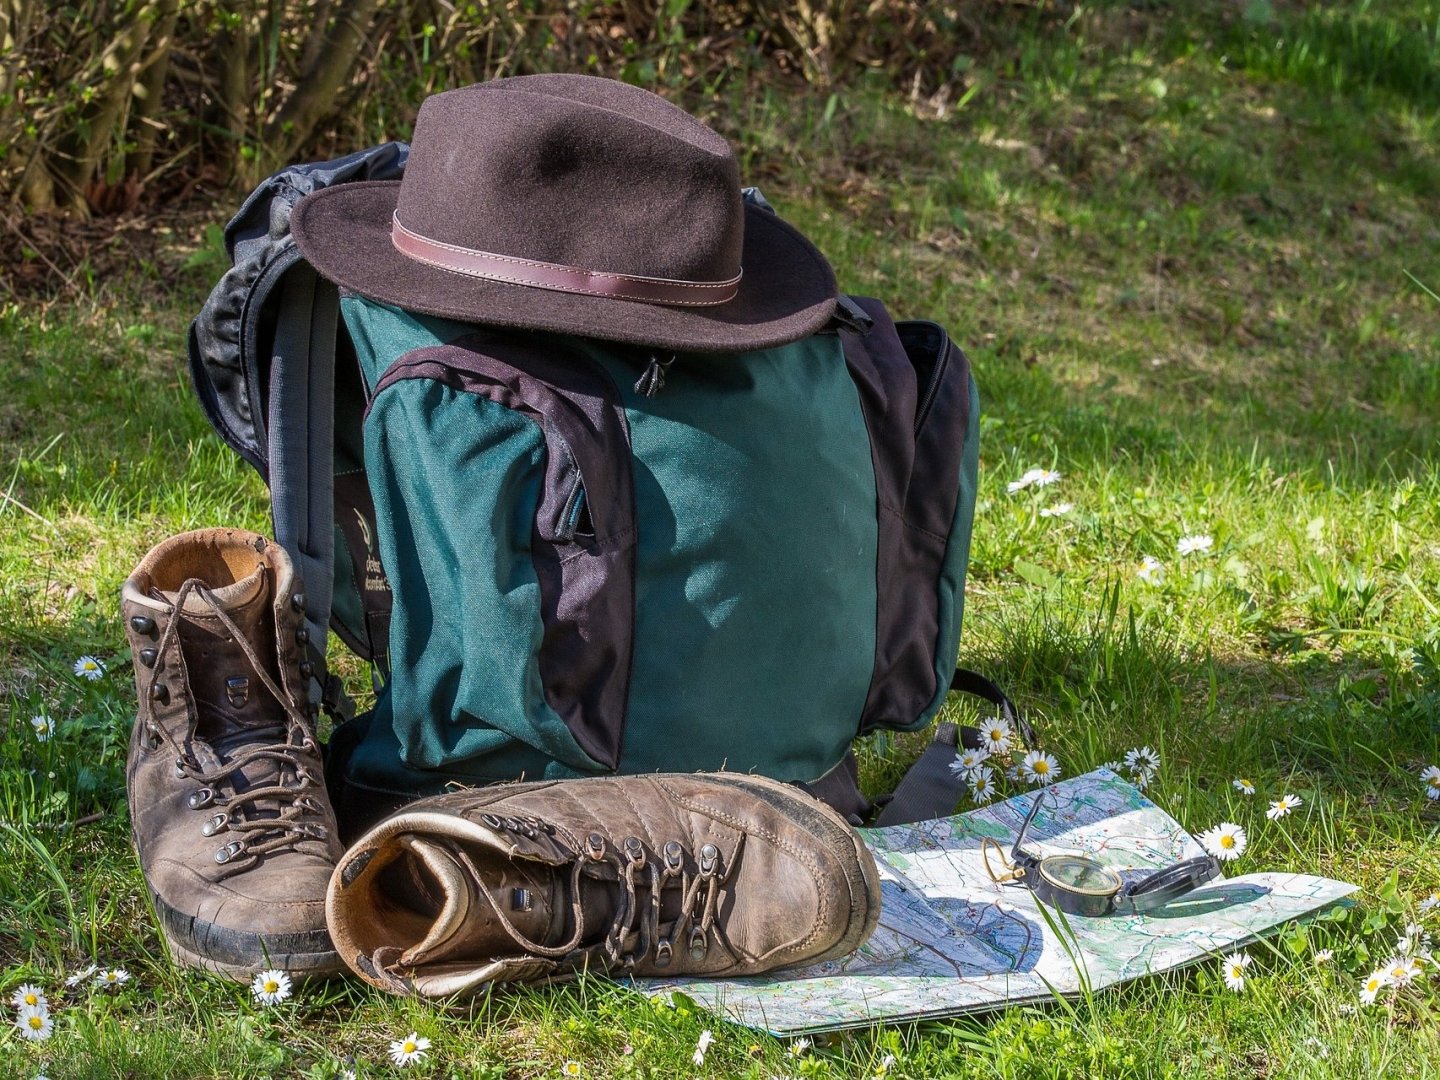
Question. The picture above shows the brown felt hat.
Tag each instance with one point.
(573, 204)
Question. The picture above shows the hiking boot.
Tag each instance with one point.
(717, 875)
(228, 810)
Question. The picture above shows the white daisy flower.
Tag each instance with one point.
(1012, 773)
(1046, 477)
(1282, 806)
(1403, 970)
(1371, 987)
(967, 761)
(702, 1045)
(1430, 903)
(1225, 841)
(982, 785)
(1058, 510)
(43, 726)
(29, 996)
(1191, 545)
(35, 1024)
(1140, 780)
(995, 735)
(572, 1068)
(85, 974)
(112, 979)
(1143, 760)
(1430, 777)
(1040, 768)
(1324, 956)
(1234, 967)
(1113, 766)
(271, 987)
(89, 667)
(409, 1050)
(1243, 786)
(1151, 571)
(799, 1046)
(1032, 476)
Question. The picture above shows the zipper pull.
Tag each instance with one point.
(653, 380)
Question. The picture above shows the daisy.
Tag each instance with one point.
(571, 1068)
(29, 996)
(1430, 775)
(1040, 768)
(1190, 545)
(1430, 903)
(35, 1024)
(409, 1050)
(702, 1045)
(89, 667)
(1324, 956)
(85, 974)
(1141, 780)
(1058, 510)
(1046, 477)
(1371, 987)
(982, 785)
(1282, 806)
(1113, 766)
(43, 725)
(995, 736)
(271, 987)
(798, 1047)
(886, 1064)
(112, 979)
(1037, 477)
(1402, 971)
(1234, 967)
(1143, 760)
(1225, 841)
(1151, 571)
(967, 761)
(1243, 786)
(1012, 773)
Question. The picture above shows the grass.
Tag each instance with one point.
(1176, 245)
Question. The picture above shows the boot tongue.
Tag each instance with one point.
(466, 889)
(234, 595)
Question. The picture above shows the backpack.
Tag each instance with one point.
(565, 557)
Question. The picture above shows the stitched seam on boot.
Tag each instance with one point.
(800, 856)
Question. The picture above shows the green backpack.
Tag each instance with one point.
(566, 557)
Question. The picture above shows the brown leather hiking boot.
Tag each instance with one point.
(714, 875)
(228, 809)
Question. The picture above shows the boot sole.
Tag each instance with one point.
(835, 833)
(241, 955)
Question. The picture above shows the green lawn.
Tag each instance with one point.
(1187, 257)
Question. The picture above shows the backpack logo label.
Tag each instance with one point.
(375, 579)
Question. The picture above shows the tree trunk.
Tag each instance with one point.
(292, 124)
(82, 150)
(150, 93)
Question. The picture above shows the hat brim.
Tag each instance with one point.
(787, 291)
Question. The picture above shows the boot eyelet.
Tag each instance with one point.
(302, 635)
(297, 602)
(217, 824)
(160, 692)
(306, 669)
(202, 798)
(181, 765)
(149, 656)
(709, 860)
(490, 820)
(662, 953)
(674, 855)
(634, 851)
(142, 624)
(595, 846)
(698, 945)
(232, 850)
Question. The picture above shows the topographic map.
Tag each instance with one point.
(951, 940)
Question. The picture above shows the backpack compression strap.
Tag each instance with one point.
(928, 789)
(301, 450)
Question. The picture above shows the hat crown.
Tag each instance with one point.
(577, 171)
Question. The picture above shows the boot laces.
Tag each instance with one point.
(297, 806)
(635, 931)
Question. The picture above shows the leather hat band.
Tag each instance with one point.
(572, 279)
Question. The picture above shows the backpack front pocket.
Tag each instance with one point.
(505, 509)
